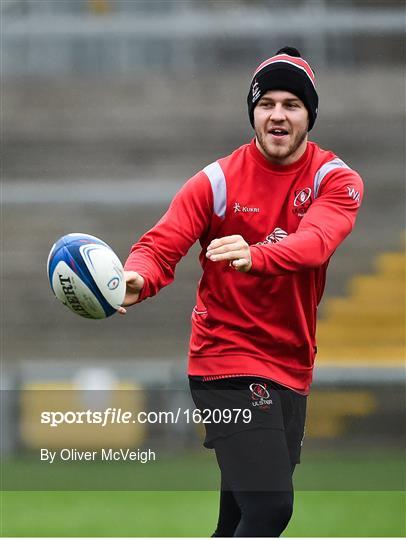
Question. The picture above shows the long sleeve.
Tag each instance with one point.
(328, 221)
(157, 253)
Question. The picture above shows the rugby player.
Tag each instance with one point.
(268, 218)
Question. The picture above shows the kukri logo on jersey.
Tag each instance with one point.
(245, 209)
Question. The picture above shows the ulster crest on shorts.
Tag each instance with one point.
(260, 396)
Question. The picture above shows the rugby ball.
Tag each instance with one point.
(86, 275)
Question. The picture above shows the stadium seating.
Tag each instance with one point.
(367, 325)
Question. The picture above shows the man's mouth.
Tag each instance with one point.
(278, 132)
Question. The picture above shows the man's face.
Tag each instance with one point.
(281, 122)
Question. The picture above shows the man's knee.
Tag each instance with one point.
(283, 510)
(269, 512)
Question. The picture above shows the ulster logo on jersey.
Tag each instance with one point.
(302, 201)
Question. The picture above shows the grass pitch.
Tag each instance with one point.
(342, 494)
(183, 514)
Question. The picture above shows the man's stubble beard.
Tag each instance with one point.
(281, 152)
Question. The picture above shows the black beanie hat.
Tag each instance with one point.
(285, 71)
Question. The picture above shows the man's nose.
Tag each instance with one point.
(277, 113)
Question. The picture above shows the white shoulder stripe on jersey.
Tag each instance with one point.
(324, 170)
(218, 185)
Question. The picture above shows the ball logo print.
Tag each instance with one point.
(86, 276)
(113, 283)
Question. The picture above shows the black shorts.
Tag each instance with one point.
(271, 406)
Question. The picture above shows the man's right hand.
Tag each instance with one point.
(135, 283)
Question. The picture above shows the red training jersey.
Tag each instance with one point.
(263, 322)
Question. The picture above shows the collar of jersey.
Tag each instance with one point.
(278, 169)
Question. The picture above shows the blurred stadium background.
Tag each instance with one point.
(108, 106)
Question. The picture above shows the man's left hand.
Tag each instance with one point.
(231, 248)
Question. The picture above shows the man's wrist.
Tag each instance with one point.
(257, 261)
